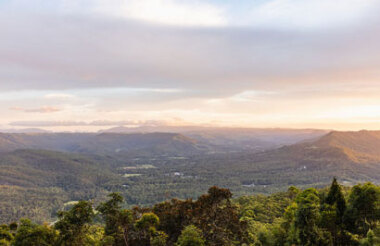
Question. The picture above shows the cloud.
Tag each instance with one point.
(164, 12)
(124, 56)
(87, 123)
(295, 14)
(58, 96)
(171, 12)
(94, 59)
(85, 52)
(44, 109)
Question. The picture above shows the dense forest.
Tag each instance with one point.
(146, 169)
(334, 215)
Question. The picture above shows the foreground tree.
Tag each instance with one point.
(6, 235)
(30, 234)
(191, 236)
(117, 221)
(307, 217)
(73, 225)
(333, 210)
(218, 218)
(363, 212)
(336, 198)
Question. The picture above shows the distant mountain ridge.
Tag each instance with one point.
(362, 147)
(158, 143)
(358, 147)
(160, 164)
(229, 138)
(187, 141)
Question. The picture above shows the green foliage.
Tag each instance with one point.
(147, 221)
(332, 212)
(191, 236)
(6, 235)
(117, 220)
(73, 225)
(30, 234)
(309, 217)
(363, 212)
(159, 238)
(335, 198)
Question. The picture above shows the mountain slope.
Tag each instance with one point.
(136, 143)
(232, 139)
(141, 143)
(361, 147)
(37, 183)
(35, 179)
(351, 156)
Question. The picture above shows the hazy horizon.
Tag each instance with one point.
(87, 65)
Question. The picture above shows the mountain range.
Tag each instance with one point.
(176, 140)
(41, 172)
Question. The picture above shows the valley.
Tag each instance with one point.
(41, 172)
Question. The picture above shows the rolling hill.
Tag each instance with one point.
(151, 167)
(352, 156)
(133, 143)
(232, 139)
(142, 141)
(36, 183)
(360, 147)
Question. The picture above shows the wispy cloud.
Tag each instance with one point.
(58, 96)
(44, 109)
(171, 12)
(321, 14)
(203, 61)
(87, 123)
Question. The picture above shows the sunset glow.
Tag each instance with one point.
(93, 64)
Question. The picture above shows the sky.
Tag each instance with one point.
(85, 65)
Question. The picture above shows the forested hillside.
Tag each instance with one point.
(158, 141)
(37, 183)
(361, 147)
(338, 216)
(134, 143)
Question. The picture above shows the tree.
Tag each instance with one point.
(146, 230)
(5, 235)
(158, 238)
(363, 211)
(191, 236)
(217, 217)
(174, 216)
(118, 221)
(30, 234)
(332, 214)
(74, 224)
(288, 225)
(336, 198)
(307, 217)
(147, 222)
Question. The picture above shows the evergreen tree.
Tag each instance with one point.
(30, 234)
(117, 221)
(336, 198)
(73, 225)
(5, 235)
(191, 236)
(307, 218)
(363, 212)
(332, 214)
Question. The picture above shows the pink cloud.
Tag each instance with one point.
(43, 109)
